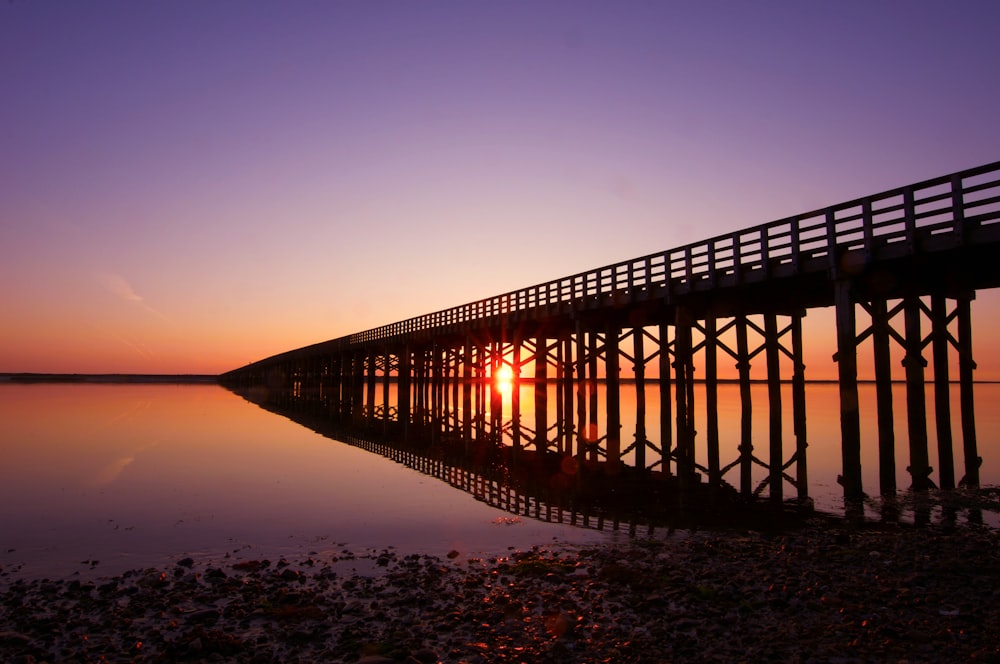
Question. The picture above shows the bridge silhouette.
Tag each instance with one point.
(910, 259)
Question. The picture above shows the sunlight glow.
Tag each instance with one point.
(503, 378)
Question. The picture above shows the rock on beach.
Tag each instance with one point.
(820, 593)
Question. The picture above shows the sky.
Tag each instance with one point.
(188, 186)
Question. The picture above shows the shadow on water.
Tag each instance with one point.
(546, 485)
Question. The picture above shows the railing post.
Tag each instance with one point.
(793, 234)
(738, 258)
(868, 229)
(688, 267)
(910, 220)
(831, 243)
(765, 252)
(711, 263)
(958, 209)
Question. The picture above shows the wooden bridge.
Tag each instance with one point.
(911, 259)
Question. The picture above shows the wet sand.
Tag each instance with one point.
(825, 592)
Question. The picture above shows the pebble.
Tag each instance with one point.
(815, 594)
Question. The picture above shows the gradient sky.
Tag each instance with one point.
(187, 186)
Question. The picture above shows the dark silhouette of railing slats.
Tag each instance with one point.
(953, 205)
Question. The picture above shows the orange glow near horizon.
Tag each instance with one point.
(485, 148)
(504, 378)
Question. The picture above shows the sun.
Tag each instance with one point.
(503, 377)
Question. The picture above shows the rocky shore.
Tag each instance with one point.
(821, 593)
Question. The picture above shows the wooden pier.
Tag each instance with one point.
(900, 267)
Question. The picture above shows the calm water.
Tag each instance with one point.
(138, 475)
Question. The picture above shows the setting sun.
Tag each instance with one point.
(504, 377)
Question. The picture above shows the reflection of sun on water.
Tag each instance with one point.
(503, 378)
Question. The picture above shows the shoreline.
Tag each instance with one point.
(823, 592)
(172, 379)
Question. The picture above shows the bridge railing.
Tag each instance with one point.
(946, 207)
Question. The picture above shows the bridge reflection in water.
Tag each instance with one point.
(910, 260)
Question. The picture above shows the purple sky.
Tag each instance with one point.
(189, 186)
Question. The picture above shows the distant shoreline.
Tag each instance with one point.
(181, 379)
(107, 378)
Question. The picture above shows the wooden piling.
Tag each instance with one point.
(640, 397)
(966, 393)
(683, 366)
(847, 370)
(515, 393)
(712, 402)
(776, 459)
(612, 360)
(581, 387)
(916, 402)
(592, 365)
(799, 408)
(942, 388)
(468, 364)
(883, 397)
(565, 417)
(541, 393)
(666, 400)
(746, 408)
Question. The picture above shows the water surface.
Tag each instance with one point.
(139, 475)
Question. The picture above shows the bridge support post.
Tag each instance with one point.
(612, 368)
(592, 363)
(358, 388)
(436, 367)
(847, 370)
(581, 385)
(496, 398)
(403, 390)
(515, 392)
(712, 401)
(386, 379)
(371, 379)
(480, 391)
(418, 390)
(883, 397)
(335, 384)
(468, 362)
(541, 394)
(458, 390)
(942, 388)
(565, 417)
(916, 401)
(776, 461)
(666, 416)
(684, 372)
(640, 397)
(746, 408)
(966, 367)
(799, 408)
